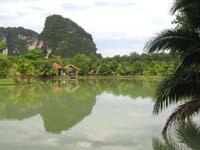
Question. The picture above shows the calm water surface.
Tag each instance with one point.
(81, 115)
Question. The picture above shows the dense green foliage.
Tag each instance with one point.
(17, 39)
(66, 38)
(2, 45)
(184, 83)
(34, 64)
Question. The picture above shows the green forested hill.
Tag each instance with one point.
(60, 35)
(19, 40)
(66, 38)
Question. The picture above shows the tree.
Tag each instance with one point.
(83, 62)
(2, 45)
(185, 80)
(5, 64)
(35, 54)
(139, 67)
(189, 9)
(23, 69)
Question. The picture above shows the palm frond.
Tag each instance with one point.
(181, 5)
(178, 4)
(159, 145)
(190, 59)
(188, 133)
(177, 87)
(175, 40)
(190, 9)
(182, 112)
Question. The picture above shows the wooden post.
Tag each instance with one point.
(76, 73)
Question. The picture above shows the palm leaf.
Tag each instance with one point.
(190, 59)
(189, 8)
(175, 40)
(188, 133)
(159, 145)
(183, 5)
(180, 5)
(177, 87)
(183, 112)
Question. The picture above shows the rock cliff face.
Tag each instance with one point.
(65, 38)
(60, 36)
(19, 40)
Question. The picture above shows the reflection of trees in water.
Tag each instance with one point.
(60, 111)
(186, 135)
(63, 104)
(131, 88)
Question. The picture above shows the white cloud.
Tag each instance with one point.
(104, 19)
(114, 51)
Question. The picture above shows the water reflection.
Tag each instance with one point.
(84, 114)
(62, 104)
(61, 107)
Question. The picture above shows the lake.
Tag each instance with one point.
(82, 115)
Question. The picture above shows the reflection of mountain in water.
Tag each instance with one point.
(65, 113)
(63, 104)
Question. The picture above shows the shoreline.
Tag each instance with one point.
(11, 81)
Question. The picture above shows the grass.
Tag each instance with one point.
(8, 81)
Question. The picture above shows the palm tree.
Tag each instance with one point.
(188, 8)
(184, 83)
(22, 69)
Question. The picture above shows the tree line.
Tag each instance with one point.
(34, 64)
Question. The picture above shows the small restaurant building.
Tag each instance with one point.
(69, 70)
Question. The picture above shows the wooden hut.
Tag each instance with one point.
(72, 70)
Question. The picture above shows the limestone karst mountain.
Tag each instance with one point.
(60, 36)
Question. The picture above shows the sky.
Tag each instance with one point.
(118, 27)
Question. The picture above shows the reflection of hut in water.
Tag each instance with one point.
(71, 70)
(59, 67)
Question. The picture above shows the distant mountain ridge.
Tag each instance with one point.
(60, 36)
(19, 40)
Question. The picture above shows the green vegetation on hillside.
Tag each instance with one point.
(61, 36)
(66, 38)
(18, 39)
